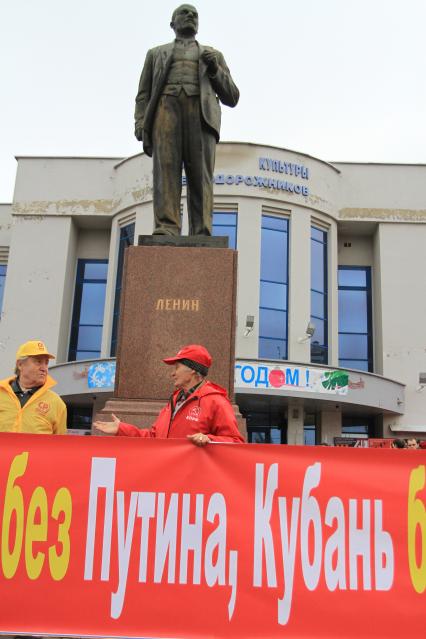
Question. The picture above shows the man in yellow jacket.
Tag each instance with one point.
(27, 405)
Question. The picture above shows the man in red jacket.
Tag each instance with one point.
(198, 409)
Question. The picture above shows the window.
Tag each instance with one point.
(355, 330)
(358, 426)
(309, 430)
(273, 288)
(127, 237)
(225, 224)
(265, 435)
(319, 304)
(88, 312)
(2, 283)
(266, 428)
(79, 418)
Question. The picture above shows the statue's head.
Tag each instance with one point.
(185, 20)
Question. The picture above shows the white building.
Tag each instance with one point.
(334, 249)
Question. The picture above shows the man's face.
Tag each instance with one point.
(33, 370)
(183, 377)
(412, 443)
(185, 21)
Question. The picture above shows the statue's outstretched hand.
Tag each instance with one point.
(110, 428)
(211, 58)
(139, 133)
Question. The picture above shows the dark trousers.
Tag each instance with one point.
(181, 140)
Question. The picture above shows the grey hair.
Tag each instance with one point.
(21, 359)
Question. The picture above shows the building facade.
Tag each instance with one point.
(331, 286)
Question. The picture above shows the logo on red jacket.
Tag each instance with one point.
(43, 408)
(194, 413)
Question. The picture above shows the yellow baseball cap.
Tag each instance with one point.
(31, 348)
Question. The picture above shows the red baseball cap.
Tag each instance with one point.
(193, 352)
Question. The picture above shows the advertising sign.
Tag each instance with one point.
(295, 378)
(116, 536)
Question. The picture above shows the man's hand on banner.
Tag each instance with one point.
(199, 439)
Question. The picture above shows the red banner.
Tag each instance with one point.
(138, 538)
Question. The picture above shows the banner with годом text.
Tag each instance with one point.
(158, 538)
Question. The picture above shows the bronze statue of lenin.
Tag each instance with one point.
(177, 117)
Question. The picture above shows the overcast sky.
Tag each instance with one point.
(337, 79)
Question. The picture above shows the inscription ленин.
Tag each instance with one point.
(170, 304)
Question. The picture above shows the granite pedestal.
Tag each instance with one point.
(172, 296)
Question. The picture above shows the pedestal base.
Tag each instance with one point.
(141, 413)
